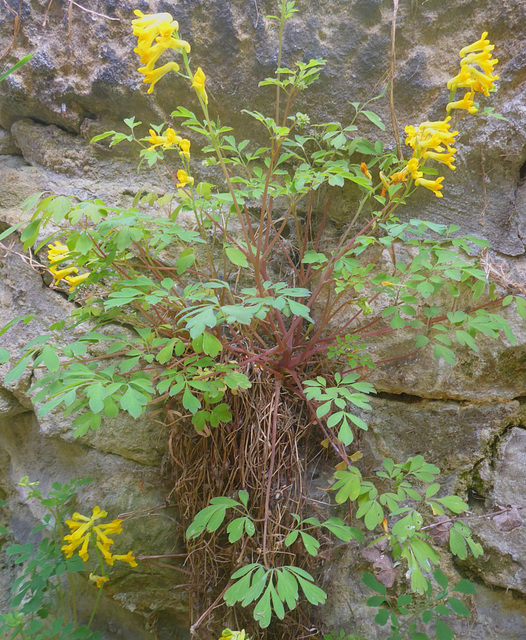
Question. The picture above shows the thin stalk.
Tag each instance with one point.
(215, 144)
(99, 594)
(277, 394)
(394, 121)
(280, 50)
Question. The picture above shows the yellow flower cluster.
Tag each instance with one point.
(57, 254)
(228, 634)
(476, 80)
(168, 140)
(83, 529)
(434, 140)
(163, 29)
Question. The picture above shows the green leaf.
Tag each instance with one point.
(16, 66)
(427, 616)
(311, 544)
(237, 380)
(166, 353)
(236, 256)
(374, 118)
(133, 402)
(440, 578)
(259, 580)
(348, 485)
(520, 304)
(287, 587)
(30, 233)
(221, 413)
(453, 503)
(459, 607)
(425, 289)
(314, 594)
(49, 358)
(457, 544)
(235, 529)
(185, 260)
(314, 257)
(18, 370)
(381, 617)
(262, 610)
(190, 402)
(374, 516)
(101, 136)
(358, 421)
(291, 537)
(236, 592)
(465, 586)
(96, 395)
(342, 531)
(439, 351)
(4, 356)
(299, 309)
(443, 632)
(370, 581)
(211, 345)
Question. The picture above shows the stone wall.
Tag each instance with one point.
(468, 419)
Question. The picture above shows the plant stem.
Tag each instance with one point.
(277, 393)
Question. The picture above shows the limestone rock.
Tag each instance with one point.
(503, 564)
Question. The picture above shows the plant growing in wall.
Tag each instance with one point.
(252, 328)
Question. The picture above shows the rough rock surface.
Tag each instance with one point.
(469, 419)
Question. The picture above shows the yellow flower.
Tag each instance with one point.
(482, 59)
(83, 553)
(160, 27)
(444, 158)
(228, 634)
(433, 185)
(82, 527)
(150, 55)
(479, 44)
(148, 26)
(115, 526)
(169, 139)
(57, 252)
(59, 274)
(184, 178)
(98, 580)
(385, 181)
(127, 558)
(199, 84)
(365, 171)
(399, 176)
(430, 135)
(478, 53)
(152, 76)
(74, 281)
(465, 103)
(462, 79)
(412, 167)
(184, 145)
(104, 549)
